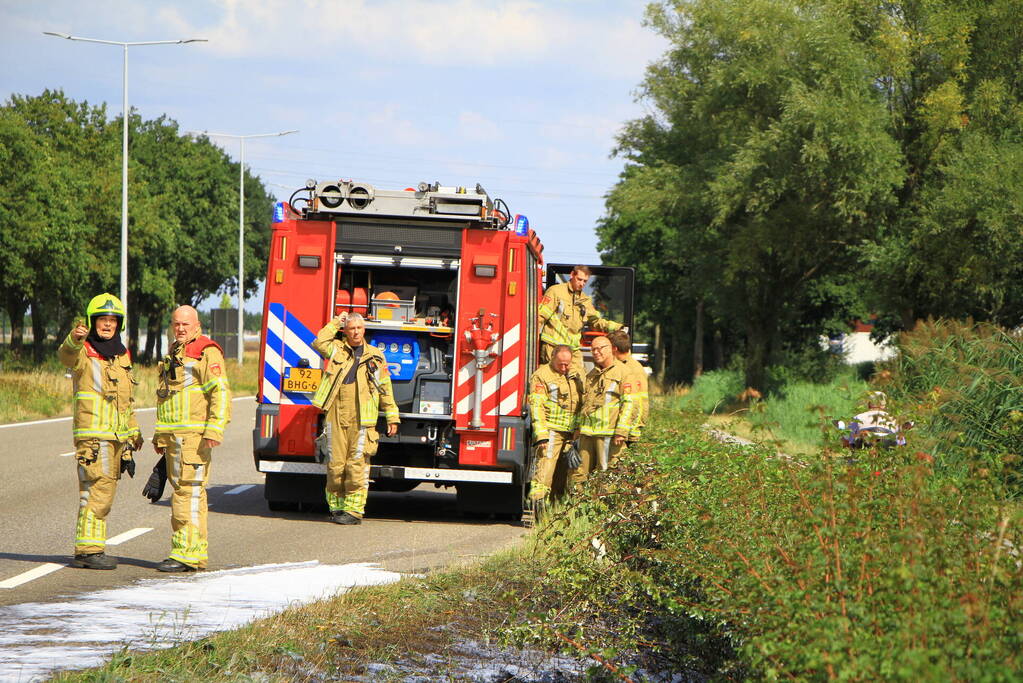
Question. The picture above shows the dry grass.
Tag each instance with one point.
(44, 393)
(340, 637)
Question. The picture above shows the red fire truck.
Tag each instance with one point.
(449, 283)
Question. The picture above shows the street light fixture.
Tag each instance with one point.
(124, 142)
(241, 221)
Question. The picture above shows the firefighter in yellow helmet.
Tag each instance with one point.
(354, 386)
(193, 407)
(105, 431)
(564, 310)
(555, 397)
(607, 414)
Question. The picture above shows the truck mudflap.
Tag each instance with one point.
(425, 474)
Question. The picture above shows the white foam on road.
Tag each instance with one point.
(39, 638)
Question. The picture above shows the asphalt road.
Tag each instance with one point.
(407, 532)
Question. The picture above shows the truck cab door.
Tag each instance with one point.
(610, 288)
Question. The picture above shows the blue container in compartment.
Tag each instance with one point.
(401, 349)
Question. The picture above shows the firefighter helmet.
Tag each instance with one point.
(105, 304)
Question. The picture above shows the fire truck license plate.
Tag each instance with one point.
(304, 380)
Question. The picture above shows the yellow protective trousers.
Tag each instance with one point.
(188, 471)
(596, 453)
(351, 446)
(550, 471)
(99, 469)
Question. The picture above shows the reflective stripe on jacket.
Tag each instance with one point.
(608, 407)
(554, 401)
(563, 313)
(192, 393)
(373, 380)
(103, 393)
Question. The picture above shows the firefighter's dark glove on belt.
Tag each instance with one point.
(156, 482)
(572, 458)
(128, 465)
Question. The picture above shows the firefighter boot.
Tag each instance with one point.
(94, 561)
(344, 518)
(172, 565)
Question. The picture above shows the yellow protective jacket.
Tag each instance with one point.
(640, 386)
(192, 393)
(372, 379)
(563, 313)
(104, 401)
(608, 406)
(554, 401)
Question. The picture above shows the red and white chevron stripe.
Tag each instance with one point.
(500, 383)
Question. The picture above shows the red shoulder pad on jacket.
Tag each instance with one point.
(195, 347)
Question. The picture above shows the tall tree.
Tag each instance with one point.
(768, 136)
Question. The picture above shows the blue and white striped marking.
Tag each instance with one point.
(287, 342)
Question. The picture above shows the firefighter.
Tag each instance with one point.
(554, 403)
(621, 344)
(193, 407)
(105, 430)
(354, 385)
(564, 310)
(607, 413)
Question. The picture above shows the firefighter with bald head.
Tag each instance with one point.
(193, 407)
(608, 412)
(555, 398)
(104, 429)
(564, 310)
(354, 386)
(621, 345)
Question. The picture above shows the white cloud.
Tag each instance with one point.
(478, 128)
(342, 35)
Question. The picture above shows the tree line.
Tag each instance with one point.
(804, 163)
(60, 218)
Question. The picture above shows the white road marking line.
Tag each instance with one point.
(25, 577)
(128, 535)
(239, 489)
(64, 455)
(64, 419)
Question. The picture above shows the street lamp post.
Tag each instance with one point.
(124, 141)
(241, 222)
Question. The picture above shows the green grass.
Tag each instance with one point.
(796, 417)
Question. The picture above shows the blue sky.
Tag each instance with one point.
(522, 97)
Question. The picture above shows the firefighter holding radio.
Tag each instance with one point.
(105, 430)
(564, 310)
(555, 398)
(355, 385)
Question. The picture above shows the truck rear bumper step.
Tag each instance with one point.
(393, 472)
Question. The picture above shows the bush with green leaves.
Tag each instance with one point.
(963, 384)
(732, 562)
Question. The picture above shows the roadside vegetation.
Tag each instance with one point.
(45, 391)
(716, 560)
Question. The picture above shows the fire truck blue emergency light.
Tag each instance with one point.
(521, 225)
(278, 212)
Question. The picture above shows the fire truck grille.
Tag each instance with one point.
(386, 238)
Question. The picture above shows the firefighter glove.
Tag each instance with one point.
(157, 481)
(572, 458)
(128, 465)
